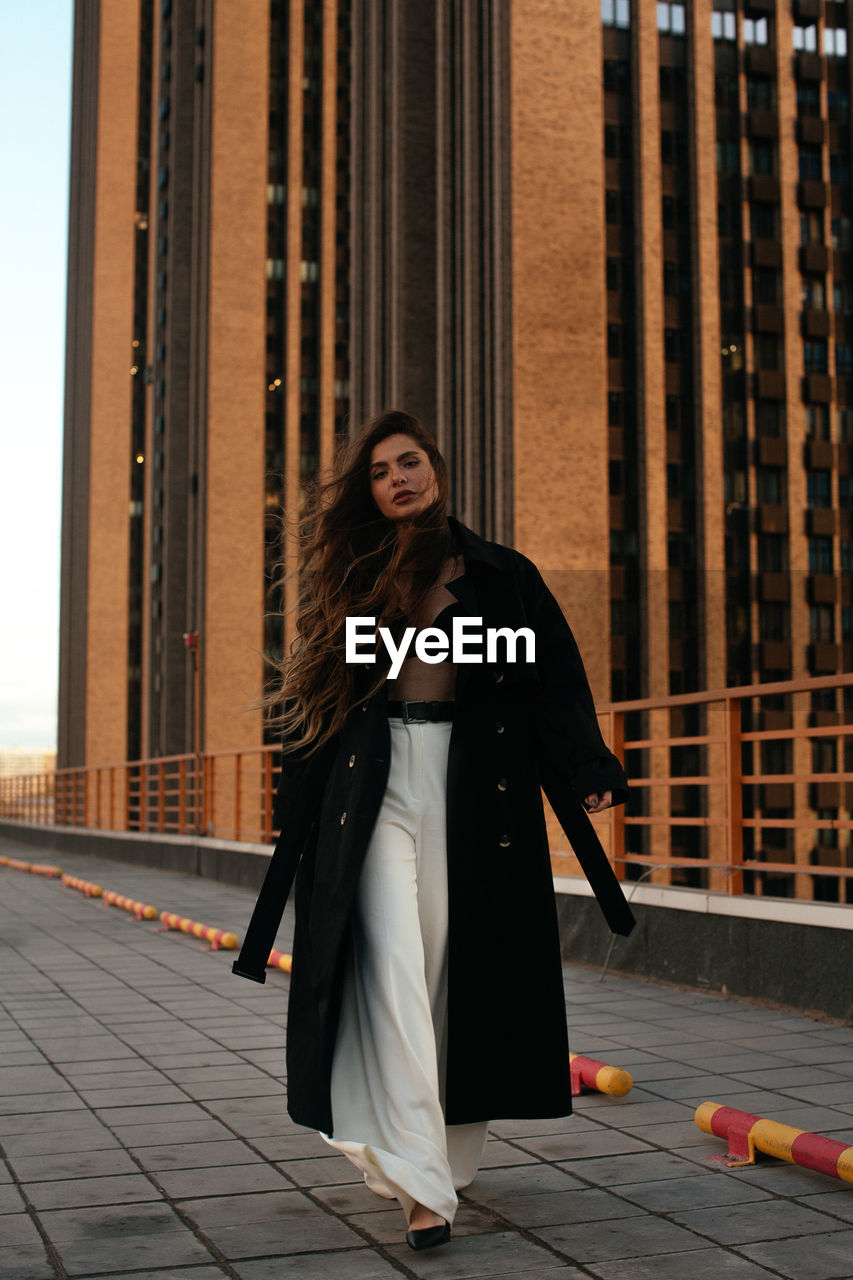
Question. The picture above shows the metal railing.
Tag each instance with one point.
(741, 790)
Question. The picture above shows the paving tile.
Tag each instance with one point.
(596, 1142)
(18, 1229)
(493, 1185)
(83, 1192)
(138, 1136)
(667, 1195)
(10, 1200)
(213, 1180)
(646, 1166)
(761, 1220)
(107, 1252)
(701, 1264)
(74, 1164)
(561, 1207)
(351, 1264)
(812, 1258)
(631, 1237)
(25, 1262)
(497, 1254)
(499, 1154)
(326, 1170)
(837, 1203)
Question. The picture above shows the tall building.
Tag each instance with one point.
(602, 247)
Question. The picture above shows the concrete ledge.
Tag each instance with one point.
(795, 954)
(231, 862)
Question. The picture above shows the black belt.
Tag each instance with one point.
(421, 712)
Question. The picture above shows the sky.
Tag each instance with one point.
(35, 102)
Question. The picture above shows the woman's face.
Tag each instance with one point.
(402, 480)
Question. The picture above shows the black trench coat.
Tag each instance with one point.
(517, 728)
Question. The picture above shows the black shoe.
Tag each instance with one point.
(428, 1237)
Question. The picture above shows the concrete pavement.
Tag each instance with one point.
(144, 1134)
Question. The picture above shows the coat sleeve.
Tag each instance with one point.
(572, 757)
(570, 748)
(297, 803)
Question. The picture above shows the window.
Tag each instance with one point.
(614, 341)
(770, 485)
(755, 31)
(815, 355)
(817, 422)
(762, 219)
(818, 488)
(805, 39)
(614, 274)
(843, 359)
(771, 553)
(611, 141)
(821, 622)
(808, 100)
(814, 292)
(845, 426)
(728, 157)
(834, 42)
(820, 555)
(617, 476)
(670, 279)
(762, 157)
(839, 169)
(765, 286)
(673, 413)
(611, 206)
(670, 345)
(838, 103)
(767, 350)
(759, 92)
(811, 227)
(768, 418)
(671, 19)
(772, 620)
(846, 623)
(810, 164)
(615, 13)
(724, 26)
(840, 233)
(846, 555)
(616, 76)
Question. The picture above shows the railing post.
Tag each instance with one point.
(182, 796)
(734, 795)
(161, 798)
(267, 761)
(238, 783)
(617, 812)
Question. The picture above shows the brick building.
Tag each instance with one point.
(602, 247)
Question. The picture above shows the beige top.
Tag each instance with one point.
(424, 681)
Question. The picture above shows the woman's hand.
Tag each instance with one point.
(598, 801)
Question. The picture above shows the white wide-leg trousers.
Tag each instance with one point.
(389, 1065)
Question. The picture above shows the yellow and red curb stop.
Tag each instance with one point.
(589, 1073)
(216, 937)
(142, 910)
(34, 868)
(747, 1134)
(84, 886)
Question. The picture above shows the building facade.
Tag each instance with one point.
(601, 247)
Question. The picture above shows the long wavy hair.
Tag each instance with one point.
(353, 561)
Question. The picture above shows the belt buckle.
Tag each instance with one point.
(408, 717)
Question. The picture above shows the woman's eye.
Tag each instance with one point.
(377, 475)
(415, 462)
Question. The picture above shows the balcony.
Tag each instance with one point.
(766, 253)
(821, 522)
(812, 194)
(814, 257)
(823, 657)
(808, 66)
(817, 388)
(822, 588)
(772, 518)
(764, 187)
(761, 124)
(811, 130)
(774, 586)
(771, 451)
(769, 384)
(767, 319)
(815, 323)
(819, 455)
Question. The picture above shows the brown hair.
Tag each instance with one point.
(350, 563)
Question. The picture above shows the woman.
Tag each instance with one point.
(426, 995)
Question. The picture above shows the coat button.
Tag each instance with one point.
(343, 818)
(499, 727)
(351, 761)
(502, 784)
(499, 678)
(505, 842)
(364, 706)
